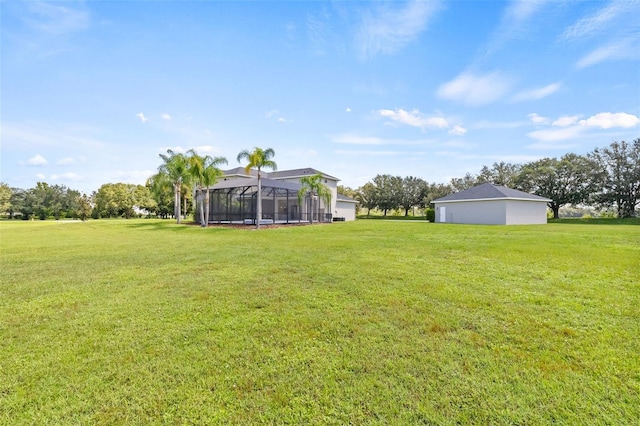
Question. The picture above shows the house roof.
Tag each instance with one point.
(346, 199)
(488, 191)
(295, 173)
(246, 182)
(283, 174)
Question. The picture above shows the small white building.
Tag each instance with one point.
(489, 204)
(345, 208)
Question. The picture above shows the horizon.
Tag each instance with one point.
(93, 92)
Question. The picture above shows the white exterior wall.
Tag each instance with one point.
(346, 209)
(330, 183)
(494, 212)
(473, 212)
(526, 212)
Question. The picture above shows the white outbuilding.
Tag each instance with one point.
(489, 204)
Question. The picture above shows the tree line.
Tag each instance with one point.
(605, 178)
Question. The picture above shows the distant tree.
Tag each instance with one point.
(503, 174)
(389, 192)
(411, 194)
(367, 196)
(346, 191)
(163, 192)
(84, 207)
(121, 200)
(313, 187)
(619, 164)
(175, 170)
(258, 158)
(204, 172)
(463, 183)
(433, 191)
(569, 180)
(5, 198)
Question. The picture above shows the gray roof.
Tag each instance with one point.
(308, 171)
(488, 191)
(345, 198)
(266, 183)
(284, 174)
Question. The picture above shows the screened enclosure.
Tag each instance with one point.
(235, 201)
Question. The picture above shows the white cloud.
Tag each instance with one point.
(142, 117)
(627, 48)
(56, 19)
(66, 161)
(458, 130)
(385, 30)
(282, 120)
(569, 127)
(592, 25)
(550, 135)
(475, 90)
(41, 176)
(414, 118)
(567, 120)
(36, 160)
(166, 117)
(348, 109)
(607, 120)
(537, 119)
(539, 93)
(70, 176)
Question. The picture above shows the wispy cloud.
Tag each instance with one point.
(538, 93)
(165, 117)
(475, 90)
(413, 118)
(69, 176)
(514, 23)
(628, 48)
(66, 161)
(355, 139)
(141, 117)
(565, 121)
(56, 19)
(594, 24)
(384, 30)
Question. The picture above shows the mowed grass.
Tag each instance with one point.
(149, 322)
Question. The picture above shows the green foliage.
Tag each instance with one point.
(122, 200)
(430, 214)
(5, 198)
(352, 323)
(258, 159)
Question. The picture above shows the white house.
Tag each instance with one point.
(234, 198)
(490, 204)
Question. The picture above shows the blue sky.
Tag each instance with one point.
(93, 91)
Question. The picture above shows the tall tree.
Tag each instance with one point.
(205, 172)
(313, 186)
(568, 180)
(175, 168)
(258, 158)
(367, 196)
(466, 182)
(620, 167)
(5, 198)
(389, 191)
(411, 194)
(503, 174)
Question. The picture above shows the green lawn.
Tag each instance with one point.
(149, 322)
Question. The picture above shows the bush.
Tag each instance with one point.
(430, 214)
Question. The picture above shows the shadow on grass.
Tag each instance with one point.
(597, 221)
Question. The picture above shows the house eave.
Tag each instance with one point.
(539, 200)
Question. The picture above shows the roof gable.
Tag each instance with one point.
(488, 191)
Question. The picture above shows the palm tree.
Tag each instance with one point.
(175, 170)
(205, 173)
(258, 158)
(313, 186)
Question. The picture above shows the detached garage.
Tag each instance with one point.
(489, 204)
